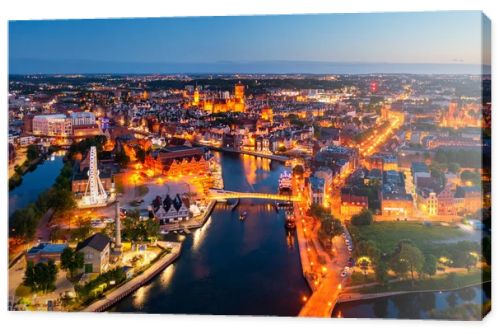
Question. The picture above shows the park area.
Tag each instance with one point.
(395, 256)
(386, 235)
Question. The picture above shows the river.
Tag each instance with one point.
(230, 267)
(35, 182)
(449, 305)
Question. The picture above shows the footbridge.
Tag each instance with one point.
(221, 194)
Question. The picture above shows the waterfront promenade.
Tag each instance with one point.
(325, 296)
(124, 290)
(328, 284)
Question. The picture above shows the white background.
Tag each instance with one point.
(17, 322)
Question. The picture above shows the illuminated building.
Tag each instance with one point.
(395, 201)
(170, 209)
(266, 114)
(397, 205)
(178, 160)
(427, 202)
(82, 118)
(461, 115)
(45, 252)
(52, 125)
(96, 250)
(196, 97)
(351, 205)
(239, 92)
(215, 104)
(317, 190)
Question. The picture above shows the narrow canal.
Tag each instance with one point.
(229, 266)
(34, 183)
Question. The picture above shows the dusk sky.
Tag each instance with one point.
(254, 43)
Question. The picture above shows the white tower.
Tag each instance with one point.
(95, 195)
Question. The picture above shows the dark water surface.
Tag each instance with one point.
(425, 305)
(35, 182)
(228, 266)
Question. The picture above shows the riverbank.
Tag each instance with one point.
(17, 178)
(352, 297)
(136, 282)
(258, 250)
(156, 268)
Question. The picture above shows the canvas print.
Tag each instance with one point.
(330, 165)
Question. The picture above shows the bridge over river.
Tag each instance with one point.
(220, 194)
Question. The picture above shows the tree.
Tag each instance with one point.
(407, 257)
(430, 265)
(32, 152)
(365, 217)
(152, 229)
(470, 261)
(71, 260)
(298, 170)
(40, 277)
(453, 167)
(470, 177)
(363, 265)
(61, 199)
(331, 226)
(413, 257)
(381, 272)
(23, 223)
(367, 249)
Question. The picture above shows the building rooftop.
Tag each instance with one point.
(51, 116)
(317, 183)
(98, 242)
(46, 247)
(418, 167)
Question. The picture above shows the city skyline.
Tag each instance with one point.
(434, 42)
(333, 166)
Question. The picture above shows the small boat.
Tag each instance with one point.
(289, 220)
(243, 216)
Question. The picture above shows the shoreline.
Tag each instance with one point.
(17, 179)
(304, 261)
(135, 283)
(101, 305)
(354, 297)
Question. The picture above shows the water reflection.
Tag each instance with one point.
(249, 267)
(463, 304)
(35, 182)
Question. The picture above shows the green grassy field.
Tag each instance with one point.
(387, 234)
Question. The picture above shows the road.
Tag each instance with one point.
(323, 276)
(323, 300)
